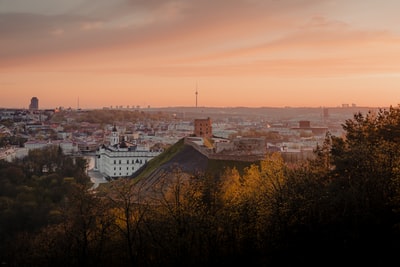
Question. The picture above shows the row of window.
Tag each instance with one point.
(127, 168)
(127, 161)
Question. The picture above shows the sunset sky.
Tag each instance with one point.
(254, 53)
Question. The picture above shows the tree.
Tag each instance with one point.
(128, 212)
(87, 224)
(364, 189)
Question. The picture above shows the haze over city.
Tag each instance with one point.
(253, 53)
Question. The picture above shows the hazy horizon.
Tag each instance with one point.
(237, 53)
(344, 105)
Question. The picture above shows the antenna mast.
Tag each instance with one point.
(196, 94)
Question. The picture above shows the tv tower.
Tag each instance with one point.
(196, 94)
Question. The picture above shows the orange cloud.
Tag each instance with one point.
(169, 44)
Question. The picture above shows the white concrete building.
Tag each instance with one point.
(68, 147)
(121, 158)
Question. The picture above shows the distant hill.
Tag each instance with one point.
(265, 113)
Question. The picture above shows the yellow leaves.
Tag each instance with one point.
(257, 181)
(252, 176)
(231, 185)
(272, 171)
(123, 218)
(120, 219)
(273, 165)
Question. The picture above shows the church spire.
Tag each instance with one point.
(114, 139)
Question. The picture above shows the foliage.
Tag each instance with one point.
(33, 189)
(340, 207)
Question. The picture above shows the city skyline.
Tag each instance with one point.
(253, 53)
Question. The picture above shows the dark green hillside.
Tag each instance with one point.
(156, 162)
(188, 160)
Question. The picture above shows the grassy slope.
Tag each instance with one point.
(164, 157)
(214, 167)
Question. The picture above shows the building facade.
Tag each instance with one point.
(121, 158)
(68, 147)
(203, 128)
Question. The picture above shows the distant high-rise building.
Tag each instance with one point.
(34, 105)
